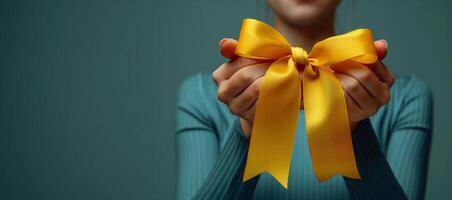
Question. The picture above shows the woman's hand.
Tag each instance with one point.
(238, 83)
(366, 89)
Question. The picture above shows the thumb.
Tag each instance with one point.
(227, 47)
(381, 46)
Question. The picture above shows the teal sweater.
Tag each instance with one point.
(391, 149)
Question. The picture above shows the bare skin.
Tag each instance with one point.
(239, 80)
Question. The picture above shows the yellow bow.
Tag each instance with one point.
(278, 105)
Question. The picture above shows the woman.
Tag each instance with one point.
(391, 123)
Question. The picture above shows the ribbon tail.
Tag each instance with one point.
(327, 124)
(275, 122)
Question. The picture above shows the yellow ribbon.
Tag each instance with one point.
(278, 105)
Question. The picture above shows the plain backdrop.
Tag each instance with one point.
(88, 88)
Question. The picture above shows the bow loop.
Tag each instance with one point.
(260, 41)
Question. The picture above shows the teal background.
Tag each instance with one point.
(88, 88)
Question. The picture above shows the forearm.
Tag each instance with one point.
(224, 180)
(377, 179)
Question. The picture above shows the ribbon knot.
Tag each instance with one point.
(299, 55)
(278, 104)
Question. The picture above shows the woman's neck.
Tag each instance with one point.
(305, 36)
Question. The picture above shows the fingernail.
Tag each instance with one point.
(222, 41)
(386, 43)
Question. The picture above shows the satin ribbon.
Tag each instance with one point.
(279, 101)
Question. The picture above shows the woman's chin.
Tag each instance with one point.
(303, 19)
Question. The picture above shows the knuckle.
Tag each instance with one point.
(366, 76)
(244, 76)
(233, 109)
(249, 116)
(255, 87)
(353, 85)
(236, 107)
(215, 76)
(222, 94)
(386, 98)
(346, 82)
(385, 95)
(391, 80)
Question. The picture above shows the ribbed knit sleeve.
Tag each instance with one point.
(402, 172)
(205, 172)
(391, 149)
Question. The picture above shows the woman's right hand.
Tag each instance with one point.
(238, 83)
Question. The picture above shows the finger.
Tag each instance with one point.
(366, 77)
(382, 72)
(226, 70)
(381, 47)
(249, 114)
(245, 100)
(227, 48)
(363, 99)
(356, 114)
(245, 77)
(240, 81)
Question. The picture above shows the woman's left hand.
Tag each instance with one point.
(366, 89)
